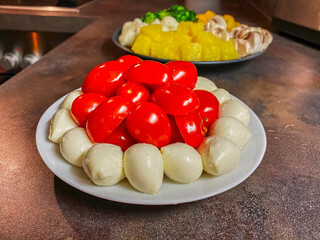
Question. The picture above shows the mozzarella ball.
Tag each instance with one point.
(231, 128)
(222, 95)
(205, 84)
(219, 155)
(103, 164)
(61, 122)
(67, 102)
(169, 23)
(234, 108)
(74, 145)
(143, 167)
(182, 163)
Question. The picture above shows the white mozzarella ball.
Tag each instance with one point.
(222, 95)
(67, 102)
(182, 163)
(234, 108)
(231, 128)
(61, 122)
(143, 167)
(219, 155)
(74, 145)
(205, 84)
(103, 163)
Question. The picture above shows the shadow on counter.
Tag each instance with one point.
(89, 215)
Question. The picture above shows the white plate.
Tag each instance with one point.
(170, 192)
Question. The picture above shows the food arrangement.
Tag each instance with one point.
(140, 120)
(180, 34)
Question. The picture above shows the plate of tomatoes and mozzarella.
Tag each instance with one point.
(143, 132)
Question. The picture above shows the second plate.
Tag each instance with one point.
(115, 39)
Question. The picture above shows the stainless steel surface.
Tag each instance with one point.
(26, 42)
(38, 8)
(304, 13)
(28, 60)
(43, 5)
(10, 61)
(70, 3)
(19, 49)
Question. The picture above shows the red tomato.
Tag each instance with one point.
(106, 117)
(148, 123)
(192, 128)
(175, 100)
(121, 137)
(209, 107)
(133, 92)
(151, 73)
(83, 105)
(183, 73)
(175, 132)
(128, 60)
(104, 79)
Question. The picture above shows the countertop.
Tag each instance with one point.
(280, 200)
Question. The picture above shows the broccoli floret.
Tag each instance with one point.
(185, 16)
(180, 13)
(149, 17)
(163, 13)
(177, 8)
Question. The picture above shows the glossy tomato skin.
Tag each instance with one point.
(175, 100)
(120, 137)
(209, 107)
(127, 61)
(192, 128)
(133, 92)
(150, 73)
(104, 79)
(148, 123)
(106, 117)
(83, 105)
(183, 73)
(175, 132)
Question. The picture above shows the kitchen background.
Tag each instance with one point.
(23, 42)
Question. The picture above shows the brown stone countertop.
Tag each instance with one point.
(280, 200)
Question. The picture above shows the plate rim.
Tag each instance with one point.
(115, 40)
(44, 132)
